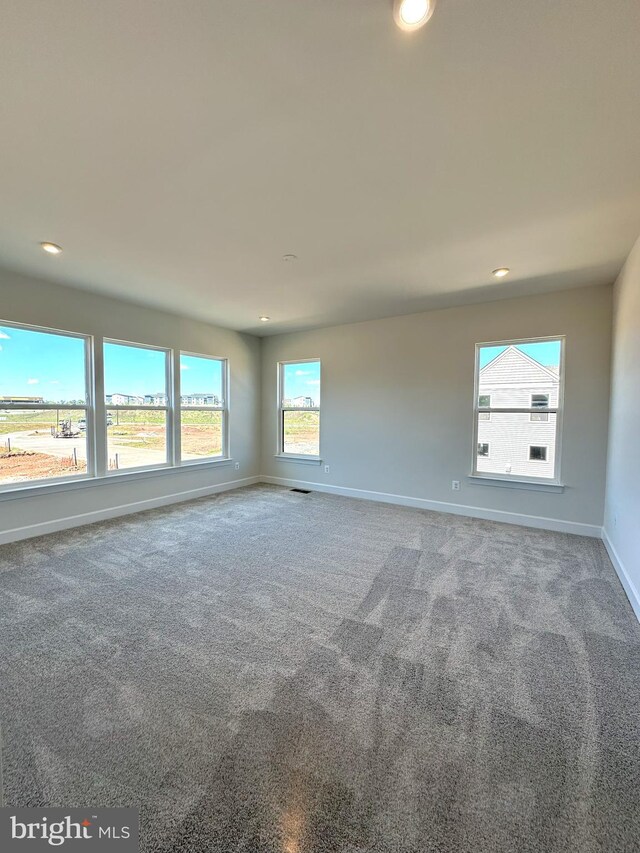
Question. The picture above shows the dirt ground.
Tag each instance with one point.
(19, 465)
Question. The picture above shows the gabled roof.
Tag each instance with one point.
(511, 350)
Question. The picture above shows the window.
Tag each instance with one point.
(519, 392)
(537, 453)
(137, 400)
(539, 401)
(44, 405)
(203, 407)
(484, 402)
(299, 408)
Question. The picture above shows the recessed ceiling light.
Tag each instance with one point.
(264, 319)
(412, 14)
(501, 272)
(52, 248)
(288, 258)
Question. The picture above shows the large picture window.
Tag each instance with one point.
(203, 407)
(136, 379)
(519, 393)
(44, 405)
(299, 408)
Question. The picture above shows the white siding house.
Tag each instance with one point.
(522, 444)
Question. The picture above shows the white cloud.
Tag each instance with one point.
(4, 336)
(303, 372)
(184, 367)
(313, 382)
(32, 381)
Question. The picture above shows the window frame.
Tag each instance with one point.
(226, 455)
(488, 412)
(280, 452)
(533, 417)
(556, 479)
(88, 408)
(168, 409)
(544, 447)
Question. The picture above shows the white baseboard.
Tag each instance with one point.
(627, 584)
(31, 530)
(539, 522)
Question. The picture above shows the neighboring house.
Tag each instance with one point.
(156, 399)
(200, 400)
(298, 403)
(15, 400)
(125, 400)
(522, 444)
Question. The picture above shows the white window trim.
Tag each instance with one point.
(169, 410)
(87, 408)
(554, 483)
(542, 446)
(531, 416)
(226, 455)
(296, 457)
(95, 409)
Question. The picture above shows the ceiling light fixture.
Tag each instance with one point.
(52, 248)
(287, 258)
(501, 272)
(410, 15)
(264, 319)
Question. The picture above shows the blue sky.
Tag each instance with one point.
(38, 364)
(200, 375)
(544, 352)
(133, 370)
(302, 380)
(52, 366)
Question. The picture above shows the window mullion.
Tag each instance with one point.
(99, 414)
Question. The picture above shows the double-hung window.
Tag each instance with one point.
(518, 409)
(539, 402)
(203, 408)
(138, 406)
(45, 405)
(299, 408)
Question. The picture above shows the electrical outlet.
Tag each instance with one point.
(455, 485)
(237, 466)
(326, 469)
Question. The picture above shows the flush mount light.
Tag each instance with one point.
(410, 15)
(501, 272)
(288, 258)
(52, 248)
(264, 319)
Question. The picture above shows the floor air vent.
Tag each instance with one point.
(301, 491)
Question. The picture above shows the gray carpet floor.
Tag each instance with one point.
(266, 671)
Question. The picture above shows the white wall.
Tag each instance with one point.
(42, 303)
(397, 400)
(622, 509)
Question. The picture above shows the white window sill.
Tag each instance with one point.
(304, 460)
(513, 483)
(32, 491)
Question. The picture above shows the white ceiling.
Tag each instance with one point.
(177, 150)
